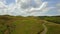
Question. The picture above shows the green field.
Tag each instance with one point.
(29, 25)
(53, 28)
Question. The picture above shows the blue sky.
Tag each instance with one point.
(51, 3)
(9, 1)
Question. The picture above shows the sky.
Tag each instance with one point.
(30, 7)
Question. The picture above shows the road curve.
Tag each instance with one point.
(45, 29)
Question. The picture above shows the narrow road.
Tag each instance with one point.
(45, 29)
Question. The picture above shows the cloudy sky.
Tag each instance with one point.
(30, 7)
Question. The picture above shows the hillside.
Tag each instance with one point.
(55, 19)
(28, 25)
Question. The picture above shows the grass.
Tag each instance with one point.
(53, 28)
(22, 25)
(55, 19)
(28, 25)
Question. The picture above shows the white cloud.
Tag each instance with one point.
(58, 7)
(2, 8)
(26, 8)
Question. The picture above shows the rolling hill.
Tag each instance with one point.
(29, 25)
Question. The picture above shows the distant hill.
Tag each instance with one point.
(55, 19)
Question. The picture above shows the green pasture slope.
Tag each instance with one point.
(53, 28)
(20, 25)
(28, 25)
(52, 24)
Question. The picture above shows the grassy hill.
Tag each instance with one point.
(28, 25)
(53, 28)
(55, 19)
